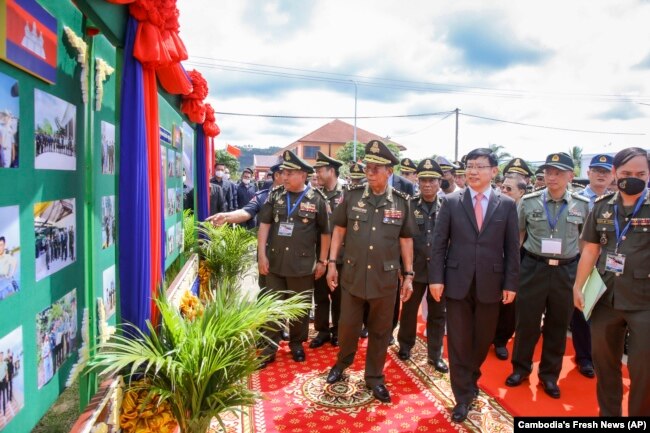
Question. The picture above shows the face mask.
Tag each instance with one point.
(218, 173)
(444, 184)
(246, 181)
(631, 185)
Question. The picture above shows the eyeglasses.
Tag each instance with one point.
(477, 167)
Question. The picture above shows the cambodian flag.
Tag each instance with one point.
(28, 38)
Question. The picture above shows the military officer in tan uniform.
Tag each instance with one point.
(424, 208)
(375, 222)
(327, 173)
(292, 220)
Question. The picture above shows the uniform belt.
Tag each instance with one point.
(552, 262)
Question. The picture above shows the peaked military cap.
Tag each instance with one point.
(561, 161)
(247, 170)
(444, 163)
(290, 161)
(275, 168)
(407, 166)
(356, 171)
(378, 153)
(539, 172)
(323, 160)
(429, 168)
(461, 167)
(602, 161)
(519, 166)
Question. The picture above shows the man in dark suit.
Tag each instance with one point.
(476, 265)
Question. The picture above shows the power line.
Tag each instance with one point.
(551, 127)
(425, 128)
(287, 116)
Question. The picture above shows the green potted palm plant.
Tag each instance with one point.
(199, 367)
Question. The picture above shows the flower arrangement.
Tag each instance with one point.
(102, 71)
(145, 413)
(81, 47)
(190, 306)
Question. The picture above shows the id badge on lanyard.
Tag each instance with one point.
(285, 229)
(551, 245)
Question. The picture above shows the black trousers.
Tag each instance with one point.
(470, 330)
(581, 337)
(324, 300)
(380, 311)
(299, 328)
(608, 338)
(435, 321)
(505, 324)
(546, 291)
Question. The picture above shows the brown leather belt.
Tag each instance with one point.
(551, 262)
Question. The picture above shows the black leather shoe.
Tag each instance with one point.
(267, 361)
(335, 375)
(501, 352)
(285, 335)
(334, 341)
(364, 332)
(439, 365)
(550, 388)
(459, 413)
(515, 379)
(318, 341)
(380, 392)
(475, 392)
(404, 354)
(587, 370)
(298, 355)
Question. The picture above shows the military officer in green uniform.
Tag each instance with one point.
(550, 221)
(327, 173)
(408, 168)
(617, 242)
(519, 169)
(424, 208)
(292, 220)
(375, 223)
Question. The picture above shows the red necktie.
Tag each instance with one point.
(478, 210)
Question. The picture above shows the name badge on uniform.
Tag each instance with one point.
(285, 229)
(615, 263)
(551, 246)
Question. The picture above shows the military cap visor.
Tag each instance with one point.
(323, 160)
(561, 161)
(461, 167)
(290, 161)
(444, 164)
(378, 153)
(275, 168)
(428, 168)
(356, 171)
(602, 161)
(519, 166)
(407, 166)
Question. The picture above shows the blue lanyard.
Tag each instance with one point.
(620, 234)
(552, 222)
(291, 209)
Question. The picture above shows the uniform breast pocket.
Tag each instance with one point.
(307, 217)
(356, 220)
(575, 221)
(538, 226)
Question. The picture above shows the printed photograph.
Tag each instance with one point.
(108, 280)
(171, 201)
(55, 233)
(12, 396)
(108, 148)
(178, 164)
(179, 200)
(56, 333)
(171, 240)
(177, 136)
(163, 161)
(54, 132)
(108, 221)
(188, 156)
(179, 235)
(171, 163)
(9, 114)
(9, 251)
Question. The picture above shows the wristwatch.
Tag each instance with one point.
(406, 274)
(331, 261)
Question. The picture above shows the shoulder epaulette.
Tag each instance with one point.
(415, 197)
(535, 193)
(605, 196)
(277, 188)
(320, 192)
(351, 187)
(580, 197)
(401, 194)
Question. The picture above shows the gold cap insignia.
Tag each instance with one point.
(603, 159)
(407, 161)
(356, 168)
(517, 163)
(555, 158)
(374, 148)
(287, 156)
(427, 164)
(606, 215)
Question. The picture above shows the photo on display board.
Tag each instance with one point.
(55, 233)
(163, 161)
(171, 163)
(9, 115)
(12, 397)
(56, 334)
(177, 136)
(179, 235)
(188, 156)
(110, 297)
(179, 200)
(171, 239)
(178, 164)
(108, 148)
(54, 132)
(171, 201)
(108, 221)
(9, 251)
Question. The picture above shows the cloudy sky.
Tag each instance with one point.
(579, 64)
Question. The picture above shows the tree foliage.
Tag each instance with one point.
(229, 161)
(345, 154)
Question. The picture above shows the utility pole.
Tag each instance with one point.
(354, 140)
(456, 148)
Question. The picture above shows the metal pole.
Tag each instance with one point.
(456, 148)
(354, 143)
